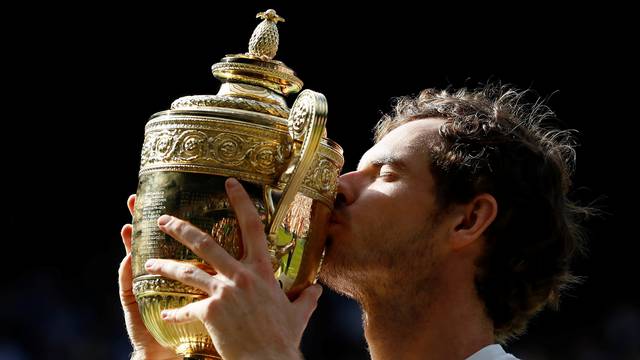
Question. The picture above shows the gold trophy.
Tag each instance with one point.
(282, 157)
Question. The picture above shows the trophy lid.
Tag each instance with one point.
(252, 81)
(245, 130)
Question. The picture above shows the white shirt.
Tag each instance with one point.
(492, 352)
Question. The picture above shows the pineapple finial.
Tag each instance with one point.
(264, 40)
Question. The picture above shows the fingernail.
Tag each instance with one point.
(163, 220)
(164, 314)
(232, 183)
(149, 263)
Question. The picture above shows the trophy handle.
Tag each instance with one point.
(307, 120)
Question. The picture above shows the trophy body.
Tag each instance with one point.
(282, 157)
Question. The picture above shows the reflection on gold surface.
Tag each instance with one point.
(227, 234)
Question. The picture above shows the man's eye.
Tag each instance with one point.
(386, 173)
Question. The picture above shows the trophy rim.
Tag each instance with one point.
(271, 122)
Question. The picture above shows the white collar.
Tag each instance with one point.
(491, 352)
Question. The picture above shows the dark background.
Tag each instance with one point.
(83, 80)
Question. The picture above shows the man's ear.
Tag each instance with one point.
(472, 220)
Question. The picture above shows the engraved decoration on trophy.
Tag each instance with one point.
(283, 158)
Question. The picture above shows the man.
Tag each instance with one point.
(454, 230)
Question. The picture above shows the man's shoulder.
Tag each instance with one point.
(492, 352)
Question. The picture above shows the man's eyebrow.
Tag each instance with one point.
(384, 160)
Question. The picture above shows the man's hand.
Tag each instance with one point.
(144, 345)
(247, 314)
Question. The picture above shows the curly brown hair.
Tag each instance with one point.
(493, 142)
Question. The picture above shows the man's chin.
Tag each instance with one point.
(328, 271)
(334, 272)
(337, 280)
(334, 281)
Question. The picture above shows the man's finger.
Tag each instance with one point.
(188, 313)
(186, 273)
(253, 236)
(131, 203)
(308, 300)
(125, 282)
(201, 243)
(125, 233)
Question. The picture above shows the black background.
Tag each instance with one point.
(83, 80)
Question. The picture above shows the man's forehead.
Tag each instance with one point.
(401, 145)
(402, 142)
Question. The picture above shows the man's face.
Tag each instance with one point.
(383, 228)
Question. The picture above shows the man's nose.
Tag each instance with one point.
(347, 188)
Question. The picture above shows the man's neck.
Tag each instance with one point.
(448, 323)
